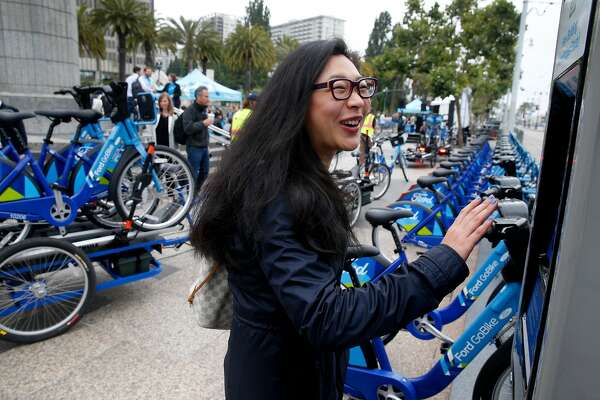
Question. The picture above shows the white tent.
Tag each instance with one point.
(465, 108)
(216, 91)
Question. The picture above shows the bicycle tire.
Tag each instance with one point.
(352, 200)
(334, 162)
(386, 172)
(402, 164)
(491, 382)
(125, 175)
(41, 295)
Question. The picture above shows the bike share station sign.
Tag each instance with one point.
(555, 354)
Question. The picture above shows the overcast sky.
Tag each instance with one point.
(540, 39)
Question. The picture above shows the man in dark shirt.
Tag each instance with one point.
(195, 126)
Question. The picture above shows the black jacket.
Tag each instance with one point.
(197, 133)
(293, 322)
(176, 93)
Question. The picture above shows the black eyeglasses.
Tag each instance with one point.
(341, 88)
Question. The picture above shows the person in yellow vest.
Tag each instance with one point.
(366, 136)
(240, 117)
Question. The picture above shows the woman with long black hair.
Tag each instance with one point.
(273, 216)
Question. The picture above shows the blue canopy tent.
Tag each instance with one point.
(216, 91)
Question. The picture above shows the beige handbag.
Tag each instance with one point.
(210, 298)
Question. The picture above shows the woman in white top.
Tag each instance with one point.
(163, 130)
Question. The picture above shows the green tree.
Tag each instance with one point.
(177, 67)
(183, 32)
(91, 39)
(258, 14)
(121, 17)
(208, 45)
(152, 38)
(444, 51)
(229, 76)
(249, 49)
(379, 34)
(487, 37)
(284, 46)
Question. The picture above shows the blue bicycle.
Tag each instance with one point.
(371, 376)
(430, 325)
(165, 187)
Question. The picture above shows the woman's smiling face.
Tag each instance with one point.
(332, 124)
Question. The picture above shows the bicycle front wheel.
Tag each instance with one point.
(45, 287)
(381, 176)
(158, 208)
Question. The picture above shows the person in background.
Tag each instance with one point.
(147, 82)
(218, 118)
(195, 126)
(166, 120)
(130, 80)
(366, 137)
(240, 117)
(173, 89)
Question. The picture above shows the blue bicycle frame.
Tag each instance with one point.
(478, 282)
(41, 206)
(364, 383)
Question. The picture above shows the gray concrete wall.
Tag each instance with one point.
(39, 126)
(38, 46)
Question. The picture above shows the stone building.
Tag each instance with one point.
(38, 55)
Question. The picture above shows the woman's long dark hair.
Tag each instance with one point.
(274, 156)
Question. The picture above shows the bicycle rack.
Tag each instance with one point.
(103, 245)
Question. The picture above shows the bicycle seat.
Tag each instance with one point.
(429, 181)
(462, 160)
(379, 216)
(10, 117)
(341, 174)
(83, 116)
(443, 172)
(450, 164)
(512, 208)
(501, 180)
(463, 152)
(361, 250)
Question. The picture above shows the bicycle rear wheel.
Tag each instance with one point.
(45, 287)
(352, 200)
(494, 381)
(381, 176)
(157, 209)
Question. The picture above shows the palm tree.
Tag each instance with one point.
(284, 46)
(250, 48)
(184, 32)
(149, 38)
(208, 45)
(123, 18)
(91, 39)
(154, 37)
